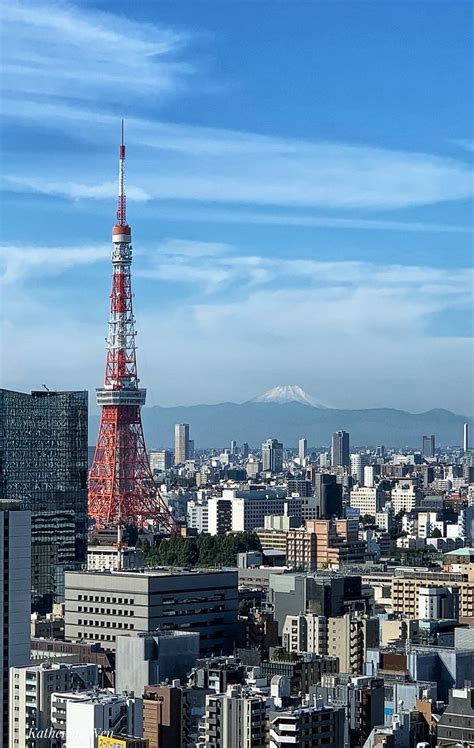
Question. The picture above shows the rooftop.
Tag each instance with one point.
(152, 572)
(466, 552)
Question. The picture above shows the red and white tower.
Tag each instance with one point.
(121, 486)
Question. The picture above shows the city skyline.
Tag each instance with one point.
(273, 213)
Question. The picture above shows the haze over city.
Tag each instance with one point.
(300, 214)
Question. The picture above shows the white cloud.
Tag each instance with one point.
(76, 191)
(76, 69)
(170, 161)
(242, 216)
(355, 334)
(56, 49)
(19, 262)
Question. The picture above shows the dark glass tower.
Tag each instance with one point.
(340, 449)
(43, 463)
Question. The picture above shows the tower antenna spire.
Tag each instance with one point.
(122, 202)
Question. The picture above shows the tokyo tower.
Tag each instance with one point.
(121, 486)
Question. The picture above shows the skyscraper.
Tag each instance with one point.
(43, 455)
(302, 447)
(429, 446)
(466, 437)
(340, 449)
(272, 456)
(15, 597)
(181, 443)
(358, 463)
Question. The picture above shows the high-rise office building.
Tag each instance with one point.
(340, 449)
(161, 460)
(429, 446)
(245, 450)
(43, 455)
(328, 495)
(233, 447)
(302, 449)
(15, 597)
(272, 456)
(181, 443)
(465, 437)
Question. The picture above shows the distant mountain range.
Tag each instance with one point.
(288, 413)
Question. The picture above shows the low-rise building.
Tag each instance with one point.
(106, 558)
(84, 715)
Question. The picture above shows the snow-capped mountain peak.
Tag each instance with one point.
(287, 393)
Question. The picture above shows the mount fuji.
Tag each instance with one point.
(287, 393)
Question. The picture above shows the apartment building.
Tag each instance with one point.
(307, 727)
(349, 637)
(305, 632)
(31, 690)
(236, 719)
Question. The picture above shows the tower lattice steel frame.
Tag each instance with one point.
(121, 486)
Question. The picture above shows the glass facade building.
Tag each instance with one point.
(43, 463)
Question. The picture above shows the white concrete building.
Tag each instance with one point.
(302, 449)
(305, 633)
(435, 603)
(427, 523)
(198, 515)
(237, 511)
(84, 715)
(405, 496)
(358, 463)
(15, 597)
(106, 558)
(31, 689)
(370, 471)
(367, 500)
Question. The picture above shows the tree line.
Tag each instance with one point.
(203, 550)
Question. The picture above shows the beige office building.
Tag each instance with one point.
(181, 443)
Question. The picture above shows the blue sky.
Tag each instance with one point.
(299, 178)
